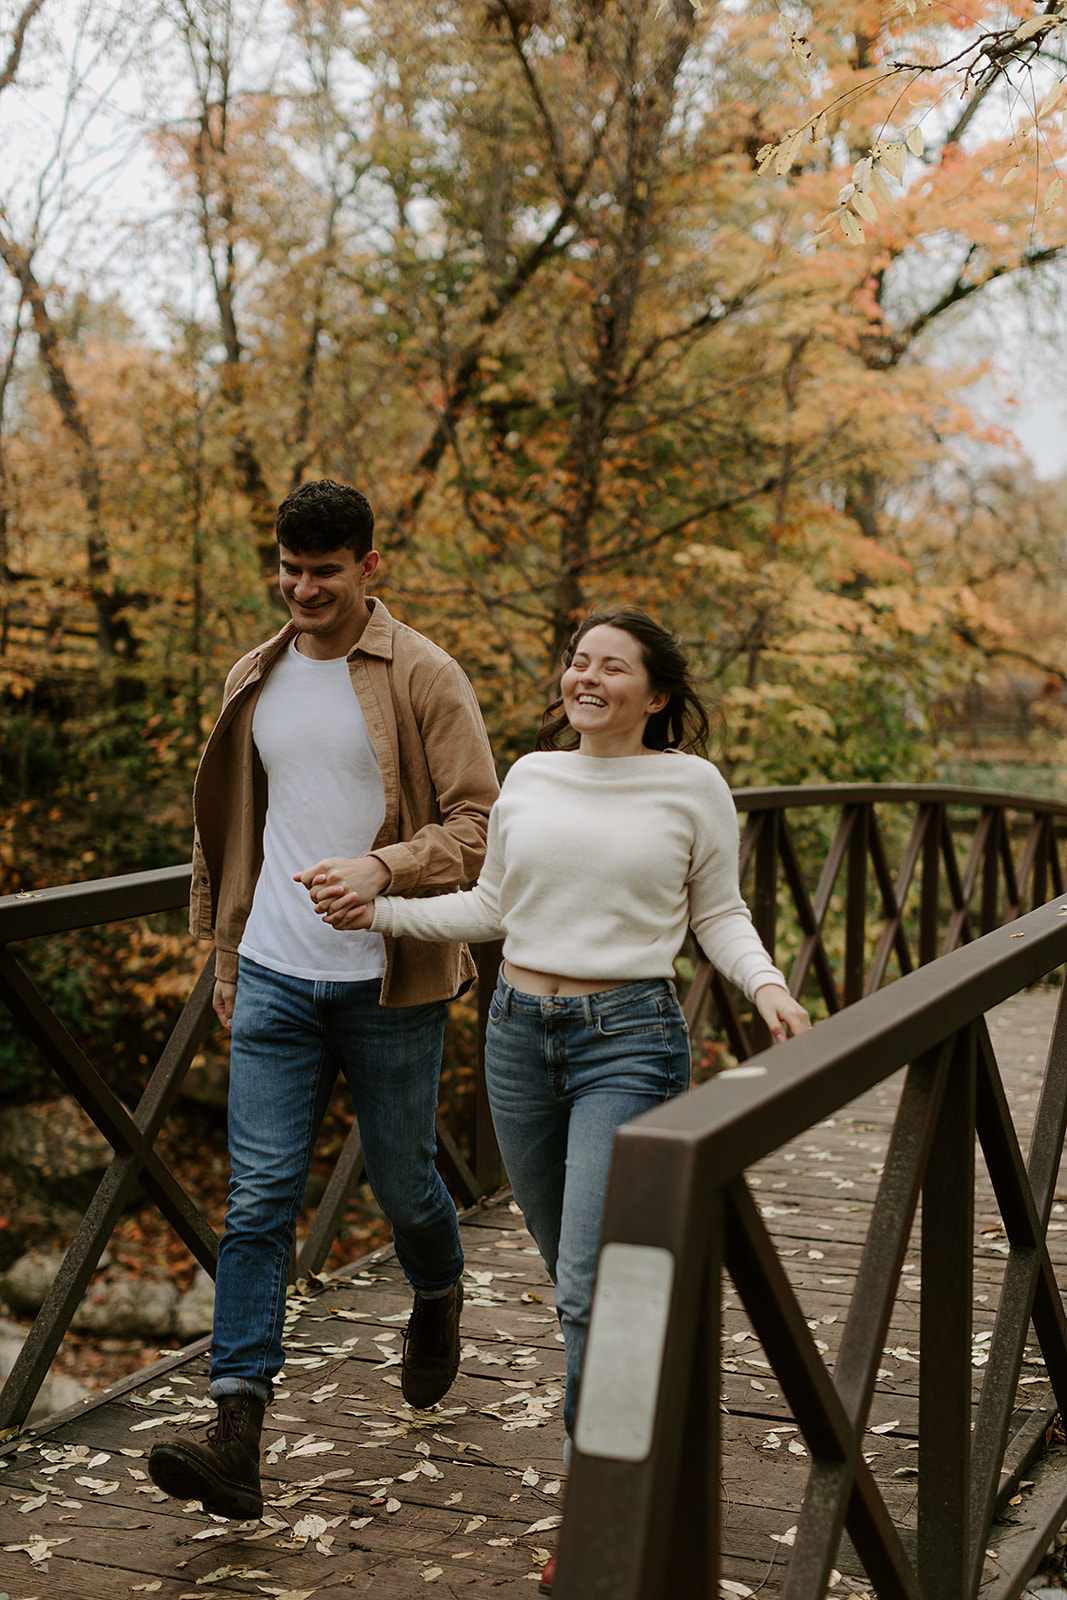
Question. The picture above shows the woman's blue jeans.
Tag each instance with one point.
(290, 1037)
(563, 1072)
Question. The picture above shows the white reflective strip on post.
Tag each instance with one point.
(624, 1352)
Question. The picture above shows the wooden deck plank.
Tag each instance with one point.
(474, 1482)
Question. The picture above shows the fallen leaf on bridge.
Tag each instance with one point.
(310, 1446)
(39, 1549)
(285, 1594)
(232, 1572)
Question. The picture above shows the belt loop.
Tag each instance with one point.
(588, 1011)
(505, 995)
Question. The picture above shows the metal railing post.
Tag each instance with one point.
(946, 1298)
(642, 1518)
(856, 907)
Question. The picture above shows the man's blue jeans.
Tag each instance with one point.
(563, 1072)
(290, 1038)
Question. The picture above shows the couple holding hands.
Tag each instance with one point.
(600, 850)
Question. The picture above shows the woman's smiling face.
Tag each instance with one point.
(606, 692)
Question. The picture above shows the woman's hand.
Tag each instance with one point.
(342, 890)
(782, 1014)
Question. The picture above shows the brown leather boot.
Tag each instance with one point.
(221, 1469)
(431, 1348)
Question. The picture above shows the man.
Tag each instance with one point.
(346, 734)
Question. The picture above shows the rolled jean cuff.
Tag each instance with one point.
(259, 1387)
(439, 1294)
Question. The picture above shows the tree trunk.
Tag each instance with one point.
(112, 629)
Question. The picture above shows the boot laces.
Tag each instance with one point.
(229, 1425)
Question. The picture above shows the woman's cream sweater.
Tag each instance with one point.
(595, 867)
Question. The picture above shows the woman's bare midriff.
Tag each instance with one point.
(555, 982)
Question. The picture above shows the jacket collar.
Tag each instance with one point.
(375, 640)
(377, 637)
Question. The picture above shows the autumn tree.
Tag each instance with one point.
(48, 197)
(531, 277)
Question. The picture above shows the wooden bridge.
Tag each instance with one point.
(896, 1382)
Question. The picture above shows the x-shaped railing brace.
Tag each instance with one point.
(132, 1135)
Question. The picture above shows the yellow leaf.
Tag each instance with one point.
(894, 158)
(1012, 172)
(881, 188)
(851, 228)
(764, 154)
(1032, 25)
(865, 206)
(787, 151)
(1052, 99)
(819, 128)
(914, 141)
(1052, 195)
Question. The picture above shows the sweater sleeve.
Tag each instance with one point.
(468, 915)
(719, 917)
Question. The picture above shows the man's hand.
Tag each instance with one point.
(222, 999)
(782, 1014)
(340, 888)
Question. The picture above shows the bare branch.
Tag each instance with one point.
(18, 41)
(961, 291)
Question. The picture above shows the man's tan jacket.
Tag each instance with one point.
(439, 780)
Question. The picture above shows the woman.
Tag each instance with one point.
(605, 845)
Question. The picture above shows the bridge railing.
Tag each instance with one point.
(968, 859)
(643, 1517)
(868, 881)
(132, 1133)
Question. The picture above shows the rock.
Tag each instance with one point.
(117, 1304)
(128, 1308)
(56, 1144)
(207, 1082)
(27, 1281)
(31, 1219)
(196, 1309)
(56, 1393)
(51, 1162)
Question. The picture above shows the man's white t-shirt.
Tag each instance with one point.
(324, 798)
